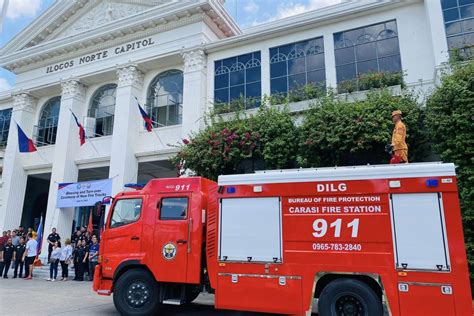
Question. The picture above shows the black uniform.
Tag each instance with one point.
(19, 251)
(53, 237)
(79, 256)
(7, 258)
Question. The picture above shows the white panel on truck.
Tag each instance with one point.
(250, 230)
(419, 232)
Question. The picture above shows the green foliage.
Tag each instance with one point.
(342, 133)
(450, 117)
(462, 54)
(305, 92)
(240, 143)
(371, 80)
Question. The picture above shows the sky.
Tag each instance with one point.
(246, 13)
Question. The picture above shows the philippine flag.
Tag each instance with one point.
(25, 144)
(146, 118)
(82, 133)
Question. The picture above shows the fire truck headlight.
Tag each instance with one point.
(432, 183)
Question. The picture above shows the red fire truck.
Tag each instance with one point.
(361, 240)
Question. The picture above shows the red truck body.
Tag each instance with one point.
(356, 238)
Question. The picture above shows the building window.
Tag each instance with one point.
(47, 127)
(165, 99)
(367, 49)
(296, 65)
(100, 120)
(238, 78)
(459, 23)
(5, 116)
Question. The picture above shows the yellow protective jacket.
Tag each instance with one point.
(398, 140)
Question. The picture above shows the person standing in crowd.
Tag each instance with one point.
(52, 238)
(3, 239)
(18, 258)
(65, 259)
(79, 260)
(15, 238)
(54, 261)
(21, 232)
(29, 256)
(93, 257)
(6, 257)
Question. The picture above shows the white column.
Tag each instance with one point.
(14, 176)
(65, 151)
(127, 122)
(194, 94)
(434, 14)
(330, 61)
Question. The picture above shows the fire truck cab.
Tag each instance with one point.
(362, 240)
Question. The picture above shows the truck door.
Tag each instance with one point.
(121, 240)
(172, 238)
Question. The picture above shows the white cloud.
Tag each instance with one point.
(290, 8)
(22, 8)
(251, 7)
(4, 85)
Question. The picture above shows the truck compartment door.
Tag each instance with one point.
(260, 293)
(419, 232)
(250, 230)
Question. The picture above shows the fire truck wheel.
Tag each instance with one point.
(136, 293)
(349, 297)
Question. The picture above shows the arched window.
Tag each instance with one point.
(100, 121)
(5, 117)
(165, 98)
(47, 127)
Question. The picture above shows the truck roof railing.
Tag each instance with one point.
(409, 170)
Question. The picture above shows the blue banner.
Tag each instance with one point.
(83, 193)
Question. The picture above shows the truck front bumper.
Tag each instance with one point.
(101, 286)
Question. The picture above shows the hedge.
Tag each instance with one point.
(450, 119)
(336, 133)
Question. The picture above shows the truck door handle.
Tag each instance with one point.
(135, 238)
(181, 241)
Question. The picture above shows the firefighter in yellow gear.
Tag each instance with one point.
(399, 134)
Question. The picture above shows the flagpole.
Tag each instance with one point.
(93, 146)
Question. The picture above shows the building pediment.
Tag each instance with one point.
(71, 26)
(97, 14)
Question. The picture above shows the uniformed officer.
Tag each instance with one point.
(79, 260)
(399, 133)
(18, 258)
(7, 256)
(52, 238)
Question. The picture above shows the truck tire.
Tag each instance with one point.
(136, 293)
(349, 297)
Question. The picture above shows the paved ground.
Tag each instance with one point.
(40, 297)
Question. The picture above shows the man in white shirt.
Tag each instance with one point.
(29, 256)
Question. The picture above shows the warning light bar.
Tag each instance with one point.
(135, 186)
(230, 190)
(431, 183)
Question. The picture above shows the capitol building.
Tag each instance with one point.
(179, 58)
